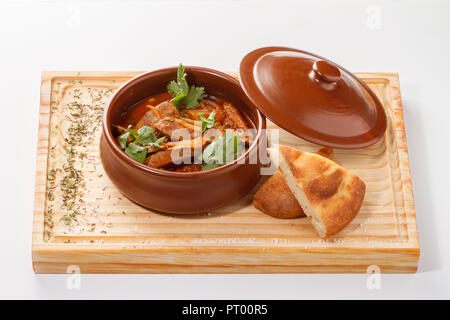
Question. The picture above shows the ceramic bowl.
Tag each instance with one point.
(179, 192)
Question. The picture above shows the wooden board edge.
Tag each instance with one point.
(40, 187)
(92, 268)
(389, 75)
(231, 262)
(55, 258)
(49, 74)
(405, 169)
(402, 148)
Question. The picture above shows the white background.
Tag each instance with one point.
(410, 37)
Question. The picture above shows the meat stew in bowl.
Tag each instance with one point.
(166, 190)
(184, 129)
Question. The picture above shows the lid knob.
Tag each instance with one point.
(326, 71)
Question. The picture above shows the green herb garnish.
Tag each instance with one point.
(209, 166)
(209, 122)
(136, 151)
(123, 139)
(195, 95)
(145, 136)
(221, 151)
(181, 93)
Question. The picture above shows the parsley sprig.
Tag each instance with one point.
(221, 151)
(209, 122)
(144, 136)
(182, 94)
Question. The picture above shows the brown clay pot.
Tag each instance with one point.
(178, 192)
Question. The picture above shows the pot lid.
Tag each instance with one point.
(312, 97)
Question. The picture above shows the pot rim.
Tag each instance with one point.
(106, 126)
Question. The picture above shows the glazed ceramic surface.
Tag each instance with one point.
(175, 192)
(312, 97)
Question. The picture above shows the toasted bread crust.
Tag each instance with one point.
(276, 199)
(344, 209)
(333, 193)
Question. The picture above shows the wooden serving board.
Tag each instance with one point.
(81, 219)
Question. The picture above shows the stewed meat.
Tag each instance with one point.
(166, 118)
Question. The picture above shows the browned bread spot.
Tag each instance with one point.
(324, 186)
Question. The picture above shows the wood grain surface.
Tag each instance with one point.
(81, 219)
